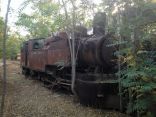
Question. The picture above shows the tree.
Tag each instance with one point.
(4, 60)
(13, 42)
(49, 16)
(13, 45)
(138, 78)
(44, 19)
(1, 35)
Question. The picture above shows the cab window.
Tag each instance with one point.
(38, 44)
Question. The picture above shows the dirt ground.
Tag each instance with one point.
(29, 98)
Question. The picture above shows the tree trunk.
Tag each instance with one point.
(73, 50)
(4, 60)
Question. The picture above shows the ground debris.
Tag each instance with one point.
(28, 98)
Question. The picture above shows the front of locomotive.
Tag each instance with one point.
(97, 64)
(97, 51)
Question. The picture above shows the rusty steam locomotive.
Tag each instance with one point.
(50, 60)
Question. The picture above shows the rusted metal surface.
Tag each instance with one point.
(52, 56)
(96, 51)
(54, 51)
(92, 51)
(24, 54)
(36, 57)
(58, 52)
(90, 87)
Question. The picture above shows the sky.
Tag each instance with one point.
(14, 5)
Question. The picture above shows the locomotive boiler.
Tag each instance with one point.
(50, 60)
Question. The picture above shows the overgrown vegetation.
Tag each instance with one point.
(138, 76)
(13, 42)
(1, 35)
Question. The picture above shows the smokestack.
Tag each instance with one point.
(99, 23)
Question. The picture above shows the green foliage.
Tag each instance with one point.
(13, 45)
(48, 17)
(1, 35)
(44, 19)
(139, 76)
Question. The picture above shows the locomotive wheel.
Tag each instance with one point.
(25, 72)
(33, 74)
(38, 77)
